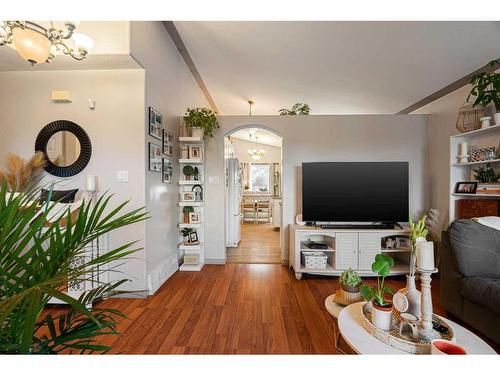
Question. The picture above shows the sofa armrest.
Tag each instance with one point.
(450, 281)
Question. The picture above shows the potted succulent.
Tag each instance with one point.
(381, 308)
(486, 89)
(188, 171)
(202, 122)
(350, 281)
(186, 210)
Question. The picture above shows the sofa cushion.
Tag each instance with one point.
(483, 291)
(476, 248)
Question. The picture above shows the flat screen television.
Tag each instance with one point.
(355, 192)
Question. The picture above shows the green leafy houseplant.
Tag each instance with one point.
(202, 118)
(188, 171)
(382, 267)
(350, 281)
(417, 230)
(486, 174)
(297, 109)
(37, 259)
(486, 88)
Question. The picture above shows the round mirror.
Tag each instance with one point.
(66, 146)
(63, 149)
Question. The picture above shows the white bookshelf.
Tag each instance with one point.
(198, 206)
(461, 172)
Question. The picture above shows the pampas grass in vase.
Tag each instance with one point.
(19, 172)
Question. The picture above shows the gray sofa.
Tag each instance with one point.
(470, 275)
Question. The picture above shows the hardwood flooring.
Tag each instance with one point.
(260, 243)
(234, 309)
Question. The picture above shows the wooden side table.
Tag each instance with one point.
(334, 309)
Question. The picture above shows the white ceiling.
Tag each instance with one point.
(336, 67)
(259, 136)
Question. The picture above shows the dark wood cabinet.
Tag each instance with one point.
(469, 208)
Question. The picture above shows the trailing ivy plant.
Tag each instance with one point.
(37, 258)
(486, 88)
(297, 109)
(202, 118)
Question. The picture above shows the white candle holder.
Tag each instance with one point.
(425, 329)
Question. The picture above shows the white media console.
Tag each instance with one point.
(348, 248)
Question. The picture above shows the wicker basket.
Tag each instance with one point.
(314, 259)
(468, 118)
(392, 337)
(346, 298)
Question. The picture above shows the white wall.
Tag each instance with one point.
(273, 154)
(115, 128)
(320, 138)
(170, 89)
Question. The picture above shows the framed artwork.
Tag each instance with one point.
(194, 218)
(154, 157)
(193, 237)
(198, 191)
(166, 170)
(403, 243)
(168, 143)
(188, 196)
(194, 152)
(466, 187)
(155, 120)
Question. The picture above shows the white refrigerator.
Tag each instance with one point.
(234, 193)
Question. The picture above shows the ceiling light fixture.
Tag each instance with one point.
(38, 44)
(250, 103)
(256, 154)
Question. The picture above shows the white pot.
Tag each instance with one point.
(198, 132)
(497, 118)
(381, 319)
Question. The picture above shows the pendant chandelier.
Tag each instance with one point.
(37, 44)
(256, 154)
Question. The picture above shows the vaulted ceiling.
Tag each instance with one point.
(336, 67)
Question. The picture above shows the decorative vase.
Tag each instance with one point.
(382, 316)
(186, 217)
(485, 122)
(497, 118)
(198, 132)
(407, 300)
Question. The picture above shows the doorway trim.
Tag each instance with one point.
(284, 260)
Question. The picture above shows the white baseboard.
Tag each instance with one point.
(215, 261)
(162, 273)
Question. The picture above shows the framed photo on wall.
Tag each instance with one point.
(194, 152)
(154, 157)
(166, 170)
(188, 196)
(168, 143)
(466, 187)
(155, 121)
(194, 218)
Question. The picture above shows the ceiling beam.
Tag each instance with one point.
(174, 34)
(488, 68)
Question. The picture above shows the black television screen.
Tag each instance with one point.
(355, 191)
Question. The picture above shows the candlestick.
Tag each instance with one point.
(425, 330)
(463, 148)
(425, 255)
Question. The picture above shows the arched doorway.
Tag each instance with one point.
(253, 194)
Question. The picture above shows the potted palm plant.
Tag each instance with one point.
(486, 89)
(381, 308)
(202, 122)
(52, 254)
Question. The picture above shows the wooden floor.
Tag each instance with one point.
(235, 308)
(260, 243)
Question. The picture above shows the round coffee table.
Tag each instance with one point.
(358, 338)
(334, 309)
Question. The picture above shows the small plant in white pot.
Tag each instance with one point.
(350, 281)
(202, 122)
(486, 89)
(381, 308)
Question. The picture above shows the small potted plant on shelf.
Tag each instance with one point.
(186, 210)
(381, 308)
(486, 89)
(188, 171)
(350, 281)
(202, 122)
(185, 233)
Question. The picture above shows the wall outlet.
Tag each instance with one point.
(91, 103)
(122, 176)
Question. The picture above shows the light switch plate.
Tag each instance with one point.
(122, 176)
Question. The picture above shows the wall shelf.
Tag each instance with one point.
(191, 139)
(472, 163)
(190, 182)
(190, 161)
(491, 129)
(480, 195)
(192, 204)
(186, 225)
(182, 246)
(191, 267)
